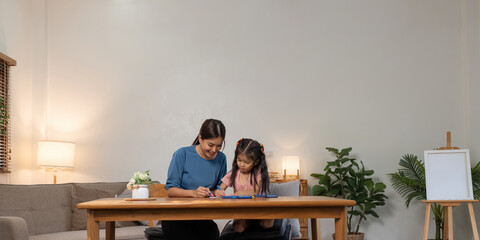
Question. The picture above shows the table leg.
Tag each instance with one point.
(93, 226)
(313, 222)
(110, 231)
(427, 218)
(340, 225)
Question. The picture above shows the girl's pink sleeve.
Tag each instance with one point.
(226, 179)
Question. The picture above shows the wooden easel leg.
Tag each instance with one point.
(445, 224)
(427, 218)
(450, 224)
(472, 220)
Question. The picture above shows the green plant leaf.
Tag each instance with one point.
(369, 184)
(369, 206)
(354, 163)
(368, 173)
(325, 180)
(354, 212)
(380, 186)
(345, 152)
(351, 171)
(333, 193)
(361, 197)
(371, 212)
(318, 190)
(316, 175)
(332, 150)
(351, 182)
(339, 170)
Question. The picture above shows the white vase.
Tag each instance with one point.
(140, 191)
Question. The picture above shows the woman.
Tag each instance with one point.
(196, 171)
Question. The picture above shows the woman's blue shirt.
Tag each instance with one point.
(189, 171)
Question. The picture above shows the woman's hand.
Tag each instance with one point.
(202, 192)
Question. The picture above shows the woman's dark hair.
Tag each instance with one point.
(211, 128)
(254, 151)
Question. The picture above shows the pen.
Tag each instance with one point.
(219, 188)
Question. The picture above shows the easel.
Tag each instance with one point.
(449, 204)
(448, 226)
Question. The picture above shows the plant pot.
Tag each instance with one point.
(140, 191)
(352, 236)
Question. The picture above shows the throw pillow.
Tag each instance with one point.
(83, 194)
(285, 189)
(288, 189)
(125, 194)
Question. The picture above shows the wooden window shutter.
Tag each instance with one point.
(5, 64)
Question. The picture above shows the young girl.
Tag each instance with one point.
(249, 176)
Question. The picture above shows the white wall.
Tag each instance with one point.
(16, 41)
(132, 81)
(471, 70)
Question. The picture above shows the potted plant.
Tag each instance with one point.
(346, 178)
(409, 182)
(138, 184)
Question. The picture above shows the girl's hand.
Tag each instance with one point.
(219, 193)
(202, 192)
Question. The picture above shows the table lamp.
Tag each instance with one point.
(291, 168)
(55, 155)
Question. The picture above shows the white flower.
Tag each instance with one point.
(132, 181)
(143, 176)
(129, 187)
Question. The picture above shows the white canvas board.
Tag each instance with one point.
(448, 175)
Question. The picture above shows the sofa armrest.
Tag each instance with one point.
(14, 228)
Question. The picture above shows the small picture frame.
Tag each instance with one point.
(448, 175)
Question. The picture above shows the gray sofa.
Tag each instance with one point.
(48, 211)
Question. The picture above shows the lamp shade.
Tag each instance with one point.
(291, 164)
(56, 154)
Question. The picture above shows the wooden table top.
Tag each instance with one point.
(158, 203)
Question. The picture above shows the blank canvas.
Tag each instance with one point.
(448, 175)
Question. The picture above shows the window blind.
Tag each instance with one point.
(5, 150)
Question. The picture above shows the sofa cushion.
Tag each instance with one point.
(124, 233)
(45, 207)
(288, 189)
(84, 194)
(116, 187)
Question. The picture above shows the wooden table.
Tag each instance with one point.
(117, 209)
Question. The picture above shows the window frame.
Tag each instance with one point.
(5, 136)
